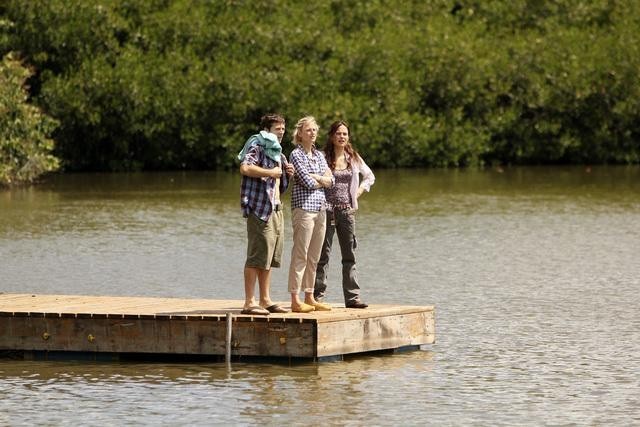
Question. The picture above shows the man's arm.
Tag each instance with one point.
(249, 166)
(255, 171)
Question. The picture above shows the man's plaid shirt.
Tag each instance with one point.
(257, 195)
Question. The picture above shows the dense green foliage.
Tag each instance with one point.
(25, 146)
(157, 84)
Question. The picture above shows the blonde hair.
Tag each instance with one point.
(303, 121)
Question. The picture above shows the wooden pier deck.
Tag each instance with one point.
(178, 326)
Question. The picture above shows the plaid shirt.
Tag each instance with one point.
(305, 195)
(258, 195)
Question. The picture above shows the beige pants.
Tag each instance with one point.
(308, 236)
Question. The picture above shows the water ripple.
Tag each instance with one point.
(533, 272)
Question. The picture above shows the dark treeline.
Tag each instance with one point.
(160, 84)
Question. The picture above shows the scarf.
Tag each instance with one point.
(268, 141)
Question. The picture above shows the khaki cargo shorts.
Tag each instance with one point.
(265, 241)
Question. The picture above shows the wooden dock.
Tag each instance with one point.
(176, 326)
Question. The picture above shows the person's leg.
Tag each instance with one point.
(250, 275)
(273, 237)
(302, 232)
(315, 246)
(264, 283)
(320, 287)
(345, 229)
(257, 251)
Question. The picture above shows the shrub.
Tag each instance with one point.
(25, 145)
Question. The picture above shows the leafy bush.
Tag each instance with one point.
(25, 146)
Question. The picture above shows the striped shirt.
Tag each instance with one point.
(258, 195)
(306, 193)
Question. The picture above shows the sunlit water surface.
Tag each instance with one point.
(534, 273)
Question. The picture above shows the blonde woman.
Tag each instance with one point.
(308, 205)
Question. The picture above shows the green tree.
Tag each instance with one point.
(159, 84)
(25, 143)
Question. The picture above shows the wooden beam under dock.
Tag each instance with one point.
(179, 326)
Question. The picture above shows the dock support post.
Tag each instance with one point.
(227, 353)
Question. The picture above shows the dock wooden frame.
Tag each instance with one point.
(177, 326)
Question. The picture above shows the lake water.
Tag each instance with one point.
(534, 273)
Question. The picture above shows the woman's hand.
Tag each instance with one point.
(322, 181)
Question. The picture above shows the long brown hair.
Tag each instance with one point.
(328, 149)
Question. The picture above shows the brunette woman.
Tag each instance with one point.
(342, 203)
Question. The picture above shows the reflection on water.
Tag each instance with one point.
(243, 393)
(533, 272)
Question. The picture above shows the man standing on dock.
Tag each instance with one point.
(263, 181)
